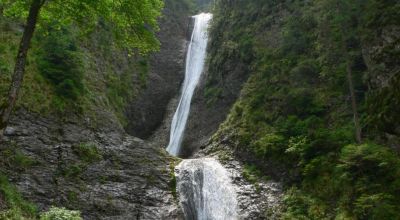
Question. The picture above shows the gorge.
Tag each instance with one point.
(204, 186)
(246, 110)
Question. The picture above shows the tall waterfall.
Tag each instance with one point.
(206, 191)
(204, 186)
(194, 67)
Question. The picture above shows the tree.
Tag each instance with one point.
(133, 24)
(339, 31)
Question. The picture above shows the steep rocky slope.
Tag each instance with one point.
(102, 172)
(80, 156)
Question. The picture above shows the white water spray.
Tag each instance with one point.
(194, 67)
(206, 191)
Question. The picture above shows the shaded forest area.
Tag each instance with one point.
(320, 110)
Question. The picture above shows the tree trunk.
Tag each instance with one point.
(353, 103)
(19, 68)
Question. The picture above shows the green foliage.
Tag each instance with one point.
(384, 107)
(303, 207)
(56, 213)
(133, 23)
(212, 94)
(294, 112)
(88, 152)
(172, 181)
(73, 171)
(252, 174)
(18, 208)
(59, 61)
(55, 82)
(13, 214)
(14, 158)
(372, 173)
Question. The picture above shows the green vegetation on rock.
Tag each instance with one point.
(16, 206)
(60, 62)
(132, 25)
(56, 213)
(88, 152)
(295, 112)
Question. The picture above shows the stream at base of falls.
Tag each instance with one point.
(204, 186)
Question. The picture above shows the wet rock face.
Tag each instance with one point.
(190, 193)
(206, 191)
(213, 191)
(258, 198)
(126, 179)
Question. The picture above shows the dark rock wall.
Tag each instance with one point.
(205, 118)
(130, 179)
(147, 112)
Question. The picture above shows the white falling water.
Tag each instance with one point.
(194, 67)
(204, 186)
(205, 190)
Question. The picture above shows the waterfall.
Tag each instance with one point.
(194, 67)
(206, 191)
(204, 186)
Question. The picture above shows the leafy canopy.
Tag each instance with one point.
(132, 22)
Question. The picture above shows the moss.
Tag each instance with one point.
(72, 196)
(88, 152)
(172, 181)
(73, 171)
(14, 158)
(17, 206)
(212, 95)
(150, 179)
(224, 156)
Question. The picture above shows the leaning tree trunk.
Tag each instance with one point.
(19, 68)
(353, 103)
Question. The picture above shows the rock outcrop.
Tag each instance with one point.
(102, 172)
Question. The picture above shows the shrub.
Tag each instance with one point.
(172, 181)
(15, 158)
(73, 171)
(88, 152)
(371, 173)
(18, 208)
(56, 213)
(59, 61)
(302, 207)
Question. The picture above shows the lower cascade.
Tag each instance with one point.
(206, 191)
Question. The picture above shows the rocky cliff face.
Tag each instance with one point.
(102, 172)
(166, 73)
